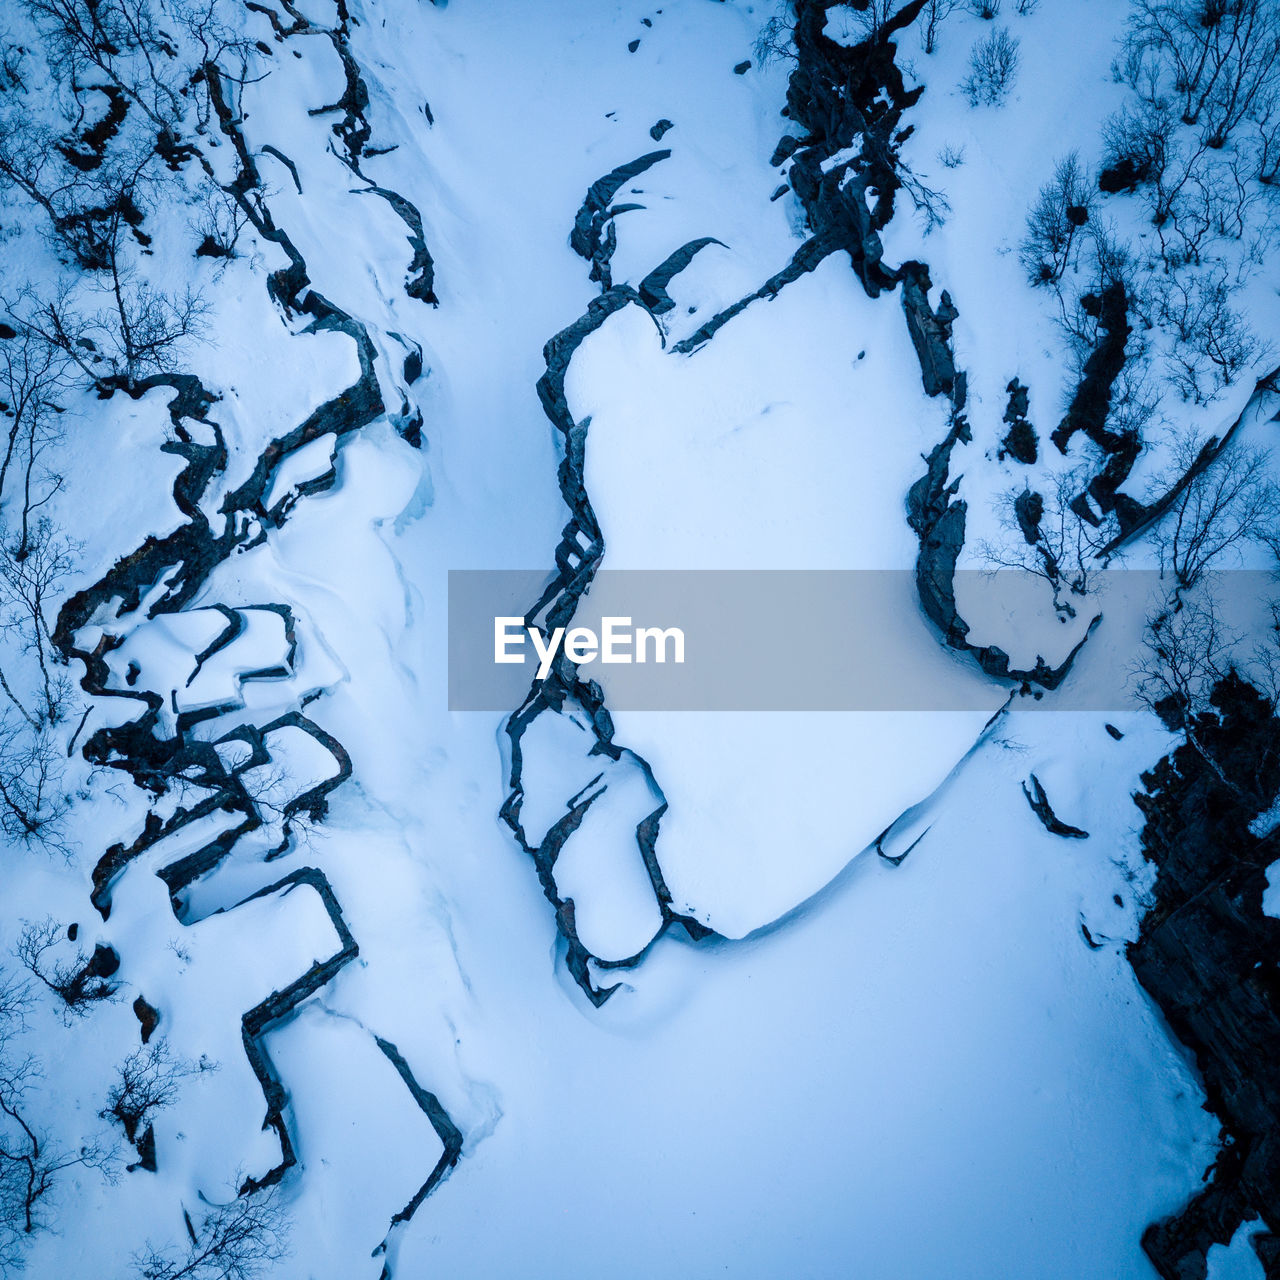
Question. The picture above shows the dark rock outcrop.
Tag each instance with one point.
(1028, 510)
(592, 236)
(1206, 954)
(1020, 441)
(653, 288)
(930, 330)
(1043, 810)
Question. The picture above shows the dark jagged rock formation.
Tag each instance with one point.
(1091, 405)
(1142, 518)
(653, 288)
(1043, 810)
(930, 330)
(577, 557)
(853, 100)
(594, 236)
(1028, 511)
(148, 1018)
(844, 97)
(1020, 441)
(938, 518)
(808, 256)
(172, 569)
(1206, 954)
(278, 1005)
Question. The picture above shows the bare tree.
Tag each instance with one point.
(1047, 538)
(33, 379)
(1212, 342)
(139, 330)
(147, 1081)
(80, 982)
(1223, 506)
(33, 569)
(935, 13)
(1136, 142)
(31, 1162)
(1187, 654)
(1104, 265)
(993, 65)
(1219, 59)
(237, 1241)
(1054, 224)
(776, 38)
(32, 803)
(873, 20)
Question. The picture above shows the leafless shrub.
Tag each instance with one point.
(984, 8)
(1136, 141)
(1104, 261)
(1054, 224)
(872, 20)
(218, 223)
(147, 1081)
(776, 38)
(1224, 506)
(1211, 341)
(31, 1162)
(936, 12)
(1065, 549)
(951, 157)
(135, 330)
(993, 65)
(1186, 652)
(237, 1241)
(79, 983)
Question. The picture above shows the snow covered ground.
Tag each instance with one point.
(911, 1046)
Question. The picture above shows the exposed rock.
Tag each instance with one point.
(1041, 807)
(653, 288)
(449, 1134)
(146, 1147)
(104, 963)
(741, 68)
(148, 1016)
(1028, 510)
(1206, 954)
(786, 147)
(930, 330)
(1020, 441)
(808, 256)
(591, 237)
(660, 128)
(577, 556)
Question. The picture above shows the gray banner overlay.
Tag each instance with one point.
(826, 640)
